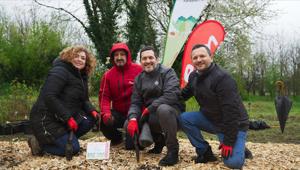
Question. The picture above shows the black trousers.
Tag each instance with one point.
(165, 121)
(112, 133)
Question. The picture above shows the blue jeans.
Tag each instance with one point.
(193, 122)
(59, 147)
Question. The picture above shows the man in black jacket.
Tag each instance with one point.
(221, 111)
(155, 99)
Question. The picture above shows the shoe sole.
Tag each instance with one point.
(167, 164)
(151, 151)
(206, 161)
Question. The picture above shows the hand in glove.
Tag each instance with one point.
(226, 151)
(132, 127)
(107, 119)
(97, 117)
(145, 116)
(95, 114)
(72, 124)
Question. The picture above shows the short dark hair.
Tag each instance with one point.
(202, 45)
(146, 48)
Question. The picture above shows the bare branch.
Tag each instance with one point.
(116, 5)
(129, 5)
(159, 21)
(158, 11)
(64, 10)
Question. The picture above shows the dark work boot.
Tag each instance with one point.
(159, 143)
(248, 154)
(170, 159)
(116, 142)
(157, 149)
(34, 146)
(208, 156)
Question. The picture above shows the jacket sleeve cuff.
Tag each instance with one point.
(66, 117)
(88, 107)
(151, 109)
(131, 115)
(228, 142)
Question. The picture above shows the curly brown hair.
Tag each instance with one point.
(69, 53)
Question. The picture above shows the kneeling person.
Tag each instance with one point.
(63, 104)
(222, 111)
(155, 99)
(115, 92)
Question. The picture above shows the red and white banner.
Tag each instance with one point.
(210, 33)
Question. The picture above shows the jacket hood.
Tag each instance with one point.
(120, 46)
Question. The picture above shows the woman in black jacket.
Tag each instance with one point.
(63, 104)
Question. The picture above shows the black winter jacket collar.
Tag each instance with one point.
(70, 67)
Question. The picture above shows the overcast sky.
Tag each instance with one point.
(285, 24)
(287, 21)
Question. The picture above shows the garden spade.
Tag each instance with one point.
(136, 147)
(69, 147)
(283, 105)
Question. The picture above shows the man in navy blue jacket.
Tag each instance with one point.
(221, 111)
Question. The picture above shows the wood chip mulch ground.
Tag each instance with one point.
(16, 154)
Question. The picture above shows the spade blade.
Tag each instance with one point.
(283, 106)
(136, 147)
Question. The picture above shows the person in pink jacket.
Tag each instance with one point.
(115, 92)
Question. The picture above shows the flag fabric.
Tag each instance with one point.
(210, 33)
(183, 18)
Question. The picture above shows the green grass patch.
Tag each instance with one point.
(263, 108)
(16, 101)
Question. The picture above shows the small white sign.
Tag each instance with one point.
(98, 150)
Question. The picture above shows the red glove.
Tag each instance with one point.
(107, 118)
(226, 151)
(95, 114)
(145, 116)
(72, 124)
(145, 112)
(132, 127)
